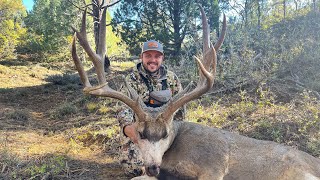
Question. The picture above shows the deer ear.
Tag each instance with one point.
(131, 132)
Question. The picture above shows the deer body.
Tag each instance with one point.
(199, 152)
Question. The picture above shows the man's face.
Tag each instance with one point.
(152, 60)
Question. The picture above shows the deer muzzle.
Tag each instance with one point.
(153, 170)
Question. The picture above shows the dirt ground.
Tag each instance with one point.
(30, 135)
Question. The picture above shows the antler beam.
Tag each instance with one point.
(98, 61)
(207, 68)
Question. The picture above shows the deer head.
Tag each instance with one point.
(152, 132)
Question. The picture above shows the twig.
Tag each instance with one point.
(3, 168)
(257, 56)
(33, 177)
(84, 170)
(67, 169)
(109, 5)
(46, 176)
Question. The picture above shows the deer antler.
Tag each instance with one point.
(207, 68)
(98, 61)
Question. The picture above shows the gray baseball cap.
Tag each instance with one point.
(152, 45)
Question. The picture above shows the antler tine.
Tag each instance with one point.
(102, 36)
(206, 40)
(83, 75)
(206, 79)
(98, 60)
(175, 104)
(218, 44)
(205, 30)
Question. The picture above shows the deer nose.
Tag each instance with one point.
(153, 170)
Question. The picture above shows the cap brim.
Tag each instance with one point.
(152, 50)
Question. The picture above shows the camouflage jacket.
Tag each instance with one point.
(139, 77)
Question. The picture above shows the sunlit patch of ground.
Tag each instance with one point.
(23, 76)
(26, 144)
(39, 135)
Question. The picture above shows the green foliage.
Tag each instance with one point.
(11, 26)
(51, 166)
(114, 45)
(170, 22)
(49, 26)
(8, 162)
(49, 31)
(13, 167)
(92, 106)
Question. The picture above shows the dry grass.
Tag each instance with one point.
(296, 123)
(23, 76)
(45, 131)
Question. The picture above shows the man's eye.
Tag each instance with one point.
(142, 136)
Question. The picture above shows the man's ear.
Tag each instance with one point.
(131, 132)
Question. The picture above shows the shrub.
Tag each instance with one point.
(63, 79)
(19, 115)
(64, 110)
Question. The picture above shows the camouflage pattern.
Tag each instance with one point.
(136, 82)
(130, 158)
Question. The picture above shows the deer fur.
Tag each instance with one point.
(193, 151)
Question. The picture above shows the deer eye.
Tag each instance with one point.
(142, 136)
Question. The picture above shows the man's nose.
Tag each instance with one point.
(153, 59)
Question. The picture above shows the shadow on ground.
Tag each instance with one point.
(42, 114)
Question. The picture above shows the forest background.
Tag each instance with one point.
(267, 83)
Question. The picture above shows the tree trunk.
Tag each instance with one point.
(97, 11)
(246, 10)
(296, 4)
(96, 20)
(284, 9)
(176, 27)
(259, 14)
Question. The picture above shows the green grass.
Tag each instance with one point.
(35, 168)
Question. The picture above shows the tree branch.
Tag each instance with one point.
(110, 5)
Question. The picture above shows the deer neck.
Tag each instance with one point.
(174, 130)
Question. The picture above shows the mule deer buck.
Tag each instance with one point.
(184, 150)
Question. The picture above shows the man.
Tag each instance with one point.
(155, 86)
